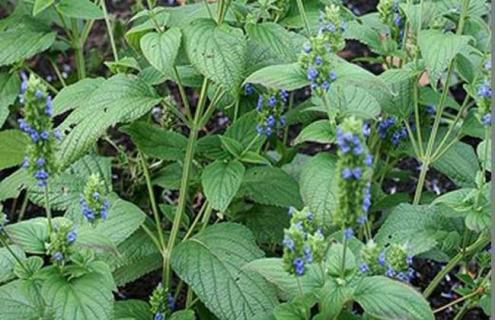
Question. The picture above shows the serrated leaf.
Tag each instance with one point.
(160, 49)
(320, 131)
(132, 309)
(244, 131)
(387, 299)
(282, 76)
(28, 267)
(31, 235)
(120, 99)
(18, 301)
(317, 189)
(271, 186)
(9, 90)
(24, 40)
(8, 262)
(421, 227)
(439, 49)
(183, 315)
(221, 180)
(352, 101)
(87, 297)
(218, 52)
(402, 83)
(335, 257)
(365, 34)
(12, 148)
(157, 142)
(41, 5)
(460, 164)
(484, 151)
(212, 263)
(73, 96)
(266, 222)
(11, 186)
(80, 9)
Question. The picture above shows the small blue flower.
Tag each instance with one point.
(398, 20)
(307, 47)
(382, 259)
(411, 273)
(49, 106)
(332, 76)
(330, 27)
(41, 175)
(71, 236)
(318, 60)
(363, 267)
(361, 220)
(259, 129)
(366, 129)
(288, 242)
(259, 105)
(325, 85)
(248, 89)
(401, 276)
(57, 134)
(430, 109)
(358, 149)
(348, 233)
(272, 101)
(357, 173)
(310, 216)
(299, 266)
(308, 254)
(298, 225)
(409, 260)
(25, 162)
(24, 83)
(396, 136)
(282, 121)
(104, 209)
(40, 162)
(38, 94)
(34, 135)
(485, 91)
(390, 272)
(57, 256)
(284, 95)
(270, 121)
(159, 316)
(486, 119)
(346, 173)
(268, 131)
(23, 125)
(44, 135)
(312, 74)
(368, 160)
(170, 302)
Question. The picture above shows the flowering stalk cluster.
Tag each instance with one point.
(392, 16)
(37, 124)
(354, 169)
(332, 27)
(303, 242)
(270, 109)
(393, 261)
(391, 129)
(60, 246)
(94, 201)
(483, 95)
(317, 62)
(162, 303)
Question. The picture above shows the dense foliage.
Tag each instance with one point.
(229, 150)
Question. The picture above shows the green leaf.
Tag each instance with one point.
(18, 301)
(74, 95)
(387, 299)
(317, 189)
(423, 228)
(29, 266)
(333, 297)
(183, 315)
(40, 5)
(460, 164)
(12, 148)
(157, 142)
(402, 83)
(364, 34)
(8, 262)
(132, 309)
(120, 99)
(80, 9)
(218, 52)
(334, 260)
(169, 177)
(160, 49)
(271, 186)
(24, 40)
(352, 101)
(272, 269)
(439, 49)
(320, 131)
(87, 297)
(11, 186)
(31, 235)
(221, 180)
(183, 16)
(484, 151)
(244, 131)
(266, 222)
(9, 90)
(212, 263)
(282, 76)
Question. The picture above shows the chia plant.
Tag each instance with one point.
(94, 201)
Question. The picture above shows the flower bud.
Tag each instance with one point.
(62, 238)
(162, 302)
(94, 202)
(332, 27)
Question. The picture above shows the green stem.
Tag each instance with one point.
(182, 93)
(151, 194)
(57, 72)
(110, 30)
(12, 253)
(48, 210)
(79, 49)
(302, 12)
(46, 83)
(482, 241)
(196, 220)
(344, 252)
(461, 312)
(461, 299)
(23, 206)
(193, 135)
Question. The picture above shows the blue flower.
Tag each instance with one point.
(38, 94)
(25, 162)
(44, 135)
(312, 74)
(41, 175)
(23, 125)
(382, 259)
(259, 105)
(249, 89)
(366, 129)
(288, 242)
(71, 236)
(310, 216)
(270, 121)
(259, 129)
(299, 266)
(431, 109)
(368, 160)
(332, 76)
(348, 233)
(170, 302)
(104, 209)
(272, 101)
(159, 316)
(57, 134)
(398, 20)
(390, 272)
(49, 106)
(57, 256)
(363, 267)
(268, 131)
(486, 119)
(284, 95)
(411, 273)
(361, 220)
(318, 60)
(401, 276)
(485, 91)
(282, 121)
(346, 173)
(34, 135)
(308, 254)
(357, 173)
(409, 260)
(24, 83)
(307, 47)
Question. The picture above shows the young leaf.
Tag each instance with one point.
(317, 189)
(212, 264)
(12, 148)
(387, 299)
(271, 186)
(80, 9)
(160, 49)
(221, 181)
(218, 52)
